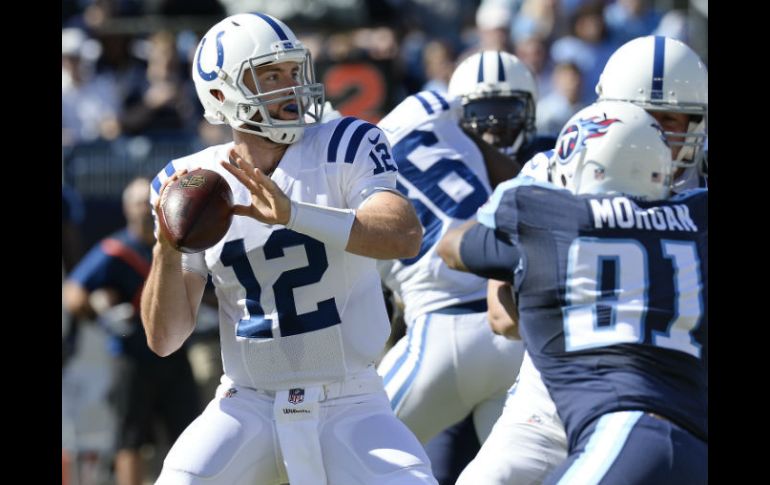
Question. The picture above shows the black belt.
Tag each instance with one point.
(476, 306)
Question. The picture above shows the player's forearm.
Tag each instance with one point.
(166, 311)
(386, 227)
(502, 312)
(499, 166)
(449, 246)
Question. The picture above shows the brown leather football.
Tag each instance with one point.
(196, 210)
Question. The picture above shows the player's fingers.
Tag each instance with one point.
(174, 176)
(242, 210)
(240, 175)
(241, 162)
(266, 182)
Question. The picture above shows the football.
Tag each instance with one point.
(196, 210)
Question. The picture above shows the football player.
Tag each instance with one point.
(302, 317)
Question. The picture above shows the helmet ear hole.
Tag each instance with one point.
(218, 94)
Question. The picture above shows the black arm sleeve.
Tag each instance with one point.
(489, 253)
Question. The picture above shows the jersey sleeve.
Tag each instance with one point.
(364, 153)
(528, 201)
(489, 253)
(502, 199)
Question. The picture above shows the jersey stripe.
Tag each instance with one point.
(425, 104)
(500, 70)
(602, 449)
(169, 170)
(331, 155)
(355, 141)
(400, 377)
(441, 100)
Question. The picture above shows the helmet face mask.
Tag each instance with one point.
(661, 74)
(688, 145)
(255, 111)
(228, 60)
(502, 120)
(498, 95)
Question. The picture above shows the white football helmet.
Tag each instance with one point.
(662, 74)
(235, 48)
(498, 95)
(613, 147)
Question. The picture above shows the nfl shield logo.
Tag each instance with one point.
(296, 396)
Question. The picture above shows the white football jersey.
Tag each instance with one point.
(295, 311)
(442, 172)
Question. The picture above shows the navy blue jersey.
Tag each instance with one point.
(613, 298)
(120, 262)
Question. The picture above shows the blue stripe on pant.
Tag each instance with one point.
(410, 361)
(634, 448)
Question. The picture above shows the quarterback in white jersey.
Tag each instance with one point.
(450, 364)
(528, 440)
(301, 314)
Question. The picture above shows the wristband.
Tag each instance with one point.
(327, 224)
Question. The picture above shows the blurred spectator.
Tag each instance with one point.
(380, 43)
(167, 104)
(184, 7)
(674, 24)
(493, 21)
(439, 62)
(361, 72)
(543, 18)
(89, 103)
(72, 217)
(118, 65)
(534, 53)
(97, 14)
(107, 285)
(325, 12)
(209, 134)
(588, 46)
(554, 110)
(629, 19)
(698, 28)
(412, 47)
(443, 19)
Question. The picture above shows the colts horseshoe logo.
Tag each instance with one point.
(208, 76)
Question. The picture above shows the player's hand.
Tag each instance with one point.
(268, 202)
(165, 243)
